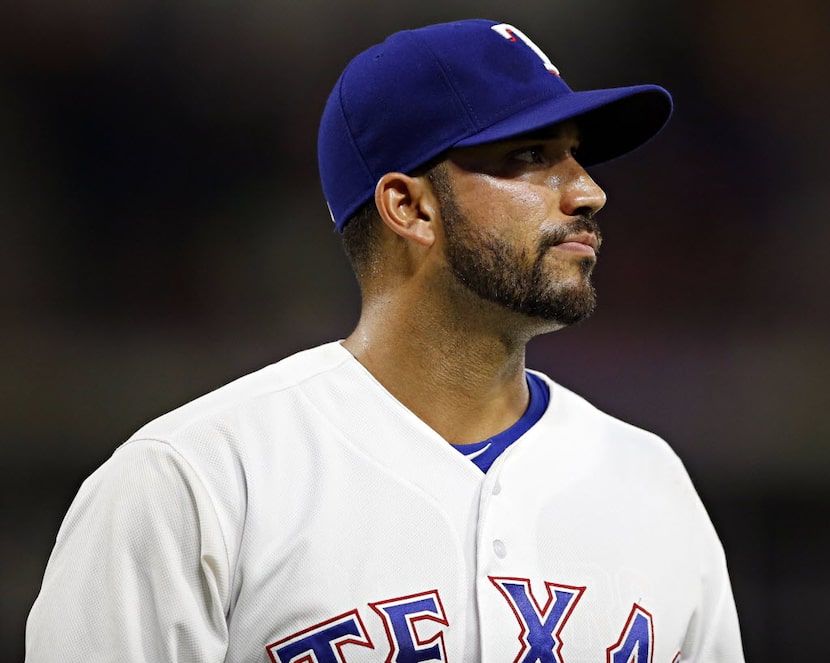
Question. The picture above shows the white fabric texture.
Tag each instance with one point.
(305, 495)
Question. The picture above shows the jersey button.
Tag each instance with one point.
(496, 487)
(499, 548)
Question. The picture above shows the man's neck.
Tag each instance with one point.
(465, 384)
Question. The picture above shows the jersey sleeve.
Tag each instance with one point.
(139, 571)
(714, 634)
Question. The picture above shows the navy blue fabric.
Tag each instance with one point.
(407, 100)
(485, 453)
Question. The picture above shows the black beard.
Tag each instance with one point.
(498, 272)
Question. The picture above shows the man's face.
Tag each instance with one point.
(518, 224)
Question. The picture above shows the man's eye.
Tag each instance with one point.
(530, 155)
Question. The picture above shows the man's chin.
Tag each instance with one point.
(565, 308)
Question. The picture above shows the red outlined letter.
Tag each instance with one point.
(636, 643)
(540, 626)
(400, 617)
(321, 643)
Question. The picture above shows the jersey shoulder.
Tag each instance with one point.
(575, 418)
(283, 375)
(574, 432)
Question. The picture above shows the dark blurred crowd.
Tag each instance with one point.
(163, 232)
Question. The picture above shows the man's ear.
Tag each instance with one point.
(408, 206)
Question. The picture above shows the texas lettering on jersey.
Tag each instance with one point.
(540, 627)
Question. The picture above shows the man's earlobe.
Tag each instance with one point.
(407, 206)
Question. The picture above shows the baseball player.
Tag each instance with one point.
(414, 493)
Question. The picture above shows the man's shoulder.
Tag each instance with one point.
(282, 376)
(573, 412)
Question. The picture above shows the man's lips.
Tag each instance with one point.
(584, 243)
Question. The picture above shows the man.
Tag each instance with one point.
(414, 493)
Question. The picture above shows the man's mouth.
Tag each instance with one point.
(584, 243)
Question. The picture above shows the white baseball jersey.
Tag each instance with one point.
(302, 514)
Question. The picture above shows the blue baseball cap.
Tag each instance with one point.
(403, 102)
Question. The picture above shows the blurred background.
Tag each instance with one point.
(163, 232)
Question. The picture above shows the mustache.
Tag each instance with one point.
(561, 233)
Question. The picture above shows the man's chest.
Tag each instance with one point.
(379, 570)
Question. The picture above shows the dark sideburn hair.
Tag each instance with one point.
(361, 234)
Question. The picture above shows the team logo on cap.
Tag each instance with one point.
(512, 33)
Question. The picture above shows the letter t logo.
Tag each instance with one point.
(510, 33)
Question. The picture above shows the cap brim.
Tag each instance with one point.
(612, 121)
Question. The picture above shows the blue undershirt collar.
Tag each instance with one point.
(485, 453)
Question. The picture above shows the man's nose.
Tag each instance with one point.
(581, 195)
